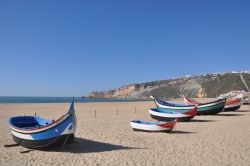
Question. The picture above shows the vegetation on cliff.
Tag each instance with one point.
(209, 85)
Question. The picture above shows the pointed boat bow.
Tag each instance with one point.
(168, 125)
(192, 112)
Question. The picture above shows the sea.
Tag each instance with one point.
(20, 99)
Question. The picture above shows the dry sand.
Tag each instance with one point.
(108, 139)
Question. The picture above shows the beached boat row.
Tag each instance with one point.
(38, 133)
(210, 108)
(170, 113)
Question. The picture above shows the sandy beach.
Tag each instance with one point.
(108, 139)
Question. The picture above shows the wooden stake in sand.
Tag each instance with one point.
(117, 112)
(248, 96)
(135, 110)
(95, 113)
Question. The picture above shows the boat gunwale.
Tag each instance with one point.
(42, 128)
(232, 101)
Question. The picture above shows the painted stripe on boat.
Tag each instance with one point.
(22, 136)
(189, 107)
(162, 114)
(233, 102)
(233, 105)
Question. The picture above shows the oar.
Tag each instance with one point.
(26, 151)
(10, 145)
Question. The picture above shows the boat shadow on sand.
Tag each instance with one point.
(81, 145)
(228, 114)
(181, 132)
(202, 120)
(242, 111)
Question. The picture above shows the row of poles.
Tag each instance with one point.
(117, 112)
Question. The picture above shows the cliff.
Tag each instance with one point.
(209, 85)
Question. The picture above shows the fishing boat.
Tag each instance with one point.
(139, 125)
(169, 115)
(211, 108)
(37, 133)
(232, 104)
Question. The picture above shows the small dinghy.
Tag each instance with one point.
(139, 125)
(169, 115)
(36, 133)
(232, 104)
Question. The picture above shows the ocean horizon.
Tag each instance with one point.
(26, 99)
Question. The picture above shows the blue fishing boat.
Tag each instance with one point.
(37, 133)
(169, 115)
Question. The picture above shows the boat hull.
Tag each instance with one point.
(164, 127)
(167, 119)
(45, 144)
(232, 108)
(37, 133)
(143, 130)
(169, 115)
(231, 105)
(210, 111)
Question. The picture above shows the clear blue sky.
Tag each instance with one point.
(69, 48)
